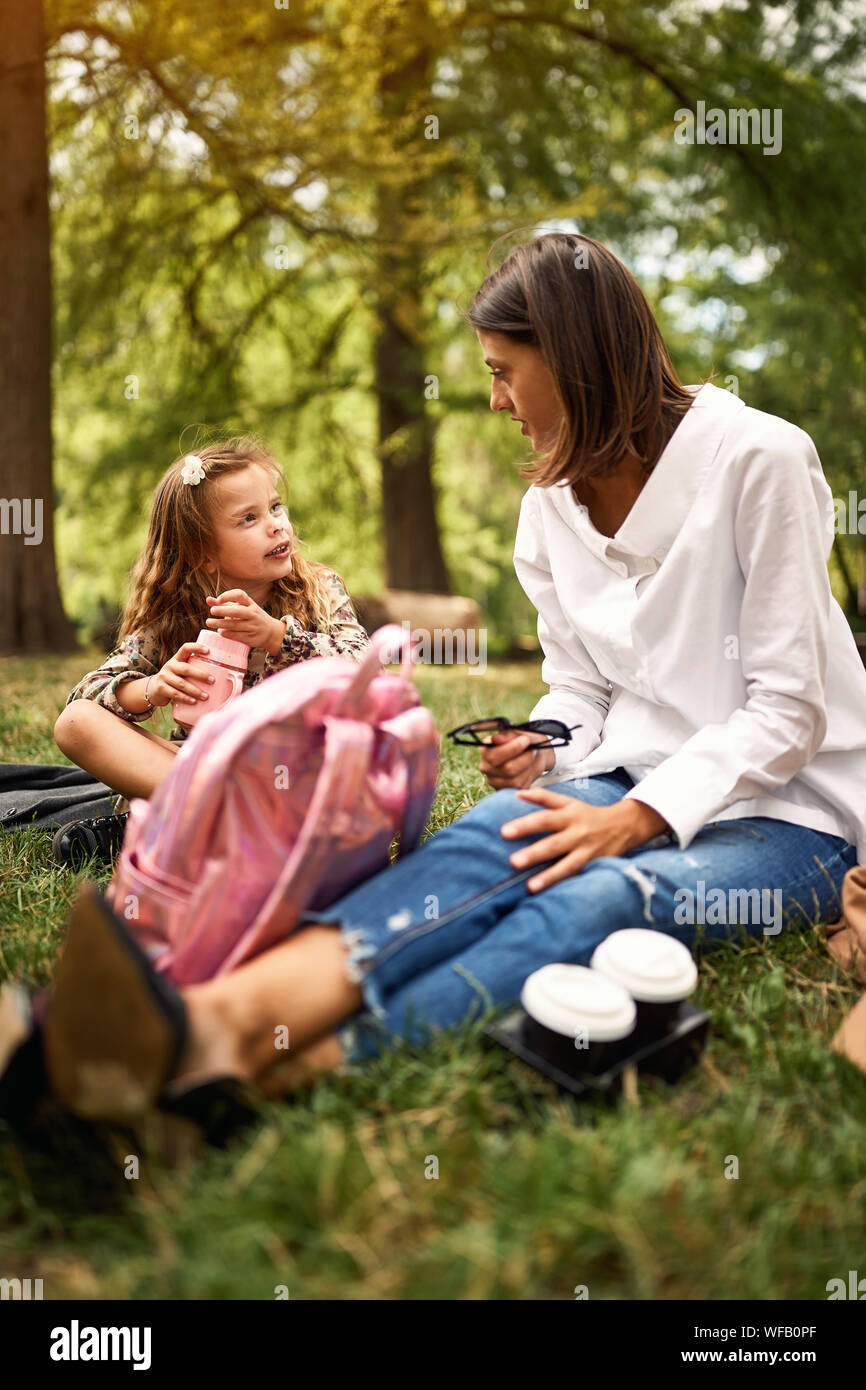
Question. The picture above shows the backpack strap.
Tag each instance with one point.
(339, 786)
(422, 765)
(384, 644)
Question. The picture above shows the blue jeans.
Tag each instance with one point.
(450, 930)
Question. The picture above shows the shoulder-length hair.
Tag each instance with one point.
(169, 584)
(572, 298)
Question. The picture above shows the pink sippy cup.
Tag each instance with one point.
(226, 662)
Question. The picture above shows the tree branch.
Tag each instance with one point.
(648, 65)
(190, 292)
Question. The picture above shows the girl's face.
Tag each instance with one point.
(253, 537)
(522, 384)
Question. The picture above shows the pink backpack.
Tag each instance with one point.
(278, 803)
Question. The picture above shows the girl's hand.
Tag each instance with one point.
(174, 681)
(234, 614)
(509, 761)
(577, 833)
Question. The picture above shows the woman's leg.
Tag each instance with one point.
(757, 875)
(437, 901)
(295, 994)
(127, 758)
(267, 1011)
(320, 1057)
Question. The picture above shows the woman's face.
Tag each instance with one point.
(522, 384)
(253, 537)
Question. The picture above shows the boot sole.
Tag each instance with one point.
(112, 1034)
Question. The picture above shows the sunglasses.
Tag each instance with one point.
(556, 733)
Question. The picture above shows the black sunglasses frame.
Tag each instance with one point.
(499, 723)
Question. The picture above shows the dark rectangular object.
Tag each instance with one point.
(668, 1056)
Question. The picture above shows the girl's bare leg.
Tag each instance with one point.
(130, 759)
(297, 993)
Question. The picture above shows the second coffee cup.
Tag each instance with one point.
(657, 971)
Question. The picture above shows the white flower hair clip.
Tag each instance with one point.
(192, 471)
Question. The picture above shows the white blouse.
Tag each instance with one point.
(701, 648)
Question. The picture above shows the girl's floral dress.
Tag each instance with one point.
(138, 655)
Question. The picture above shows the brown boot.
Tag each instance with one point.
(114, 1030)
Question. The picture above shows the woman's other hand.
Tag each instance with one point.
(577, 832)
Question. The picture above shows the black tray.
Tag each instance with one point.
(668, 1056)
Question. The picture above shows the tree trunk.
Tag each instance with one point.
(851, 600)
(413, 548)
(31, 612)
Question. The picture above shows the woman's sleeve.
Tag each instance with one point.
(133, 658)
(578, 693)
(345, 635)
(783, 529)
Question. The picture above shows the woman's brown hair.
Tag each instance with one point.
(168, 584)
(570, 297)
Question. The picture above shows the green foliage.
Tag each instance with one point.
(230, 256)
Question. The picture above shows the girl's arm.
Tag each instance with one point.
(345, 637)
(132, 661)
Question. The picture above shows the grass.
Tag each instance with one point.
(329, 1199)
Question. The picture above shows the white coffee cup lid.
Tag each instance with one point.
(653, 967)
(570, 998)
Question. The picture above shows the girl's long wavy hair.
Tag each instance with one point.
(168, 584)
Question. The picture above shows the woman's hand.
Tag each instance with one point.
(508, 759)
(577, 833)
(234, 614)
(174, 680)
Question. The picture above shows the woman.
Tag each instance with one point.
(674, 543)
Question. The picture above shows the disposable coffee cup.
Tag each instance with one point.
(576, 1019)
(656, 970)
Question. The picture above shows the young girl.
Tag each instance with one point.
(220, 554)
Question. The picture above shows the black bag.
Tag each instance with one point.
(48, 795)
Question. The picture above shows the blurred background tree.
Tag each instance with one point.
(31, 612)
(271, 219)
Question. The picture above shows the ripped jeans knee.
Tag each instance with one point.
(358, 950)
